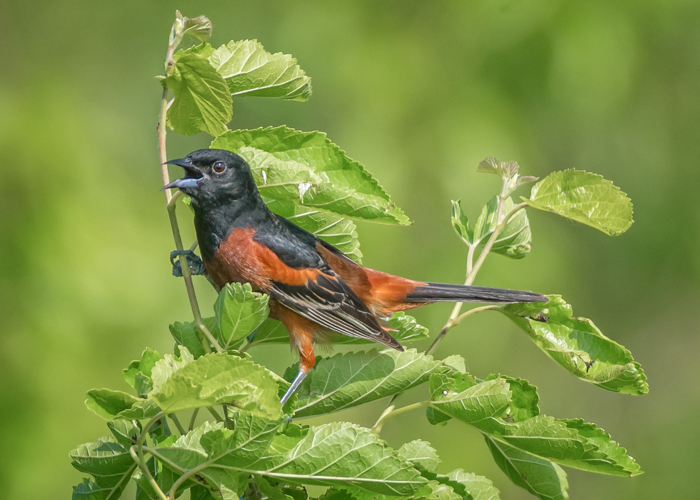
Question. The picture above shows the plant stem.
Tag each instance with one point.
(137, 455)
(171, 200)
(176, 421)
(192, 419)
(390, 412)
(472, 269)
(215, 414)
(144, 467)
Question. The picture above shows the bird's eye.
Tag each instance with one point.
(219, 167)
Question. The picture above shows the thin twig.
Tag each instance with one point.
(176, 421)
(172, 199)
(215, 414)
(136, 453)
(392, 413)
(192, 419)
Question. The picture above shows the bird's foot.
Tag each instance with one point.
(193, 262)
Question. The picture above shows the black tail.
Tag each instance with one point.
(444, 292)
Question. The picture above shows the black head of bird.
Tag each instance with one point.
(215, 177)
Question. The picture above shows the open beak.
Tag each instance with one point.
(192, 175)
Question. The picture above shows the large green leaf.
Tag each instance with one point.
(540, 477)
(251, 71)
(515, 240)
(341, 453)
(339, 231)
(355, 378)
(405, 327)
(308, 169)
(585, 198)
(239, 311)
(217, 379)
(578, 345)
(489, 406)
(109, 463)
(202, 99)
(337, 454)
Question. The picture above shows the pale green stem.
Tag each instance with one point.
(144, 467)
(192, 419)
(172, 199)
(215, 414)
(392, 413)
(176, 421)
(136, 452)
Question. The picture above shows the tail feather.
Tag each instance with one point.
(445, 292)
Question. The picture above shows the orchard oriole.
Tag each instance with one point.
(314, 288)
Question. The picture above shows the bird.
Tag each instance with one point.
(314, 288)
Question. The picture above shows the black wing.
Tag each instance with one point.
(324, 299)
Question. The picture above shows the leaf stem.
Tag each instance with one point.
(177, 423)
(192, 419)
(215, 414)
(390, 412)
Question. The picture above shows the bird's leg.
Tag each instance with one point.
(295, 385)
(307, 360)
(193, 262)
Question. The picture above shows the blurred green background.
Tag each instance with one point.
(419, 92)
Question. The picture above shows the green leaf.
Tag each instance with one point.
(405, 327)
(420, 454)
(339, 231)
(108, 403)
(478, 487)
(505, 169)
(600, 438)
(239, 311)
(138, 374)
(460, 223)
(341, 454)
(164, 368)
(585, 198)
(337, 454)
(473, 403)
(540, 477)
(202, 99)
(217, 379)
(308, 169)
(185, 334)
(578, 345)
(489, 407)
(515, 240)
(198, 27)
(355, 378)
(125, 431)
(524, 399)
(272, 492)
(109, 463)
(251, 71)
